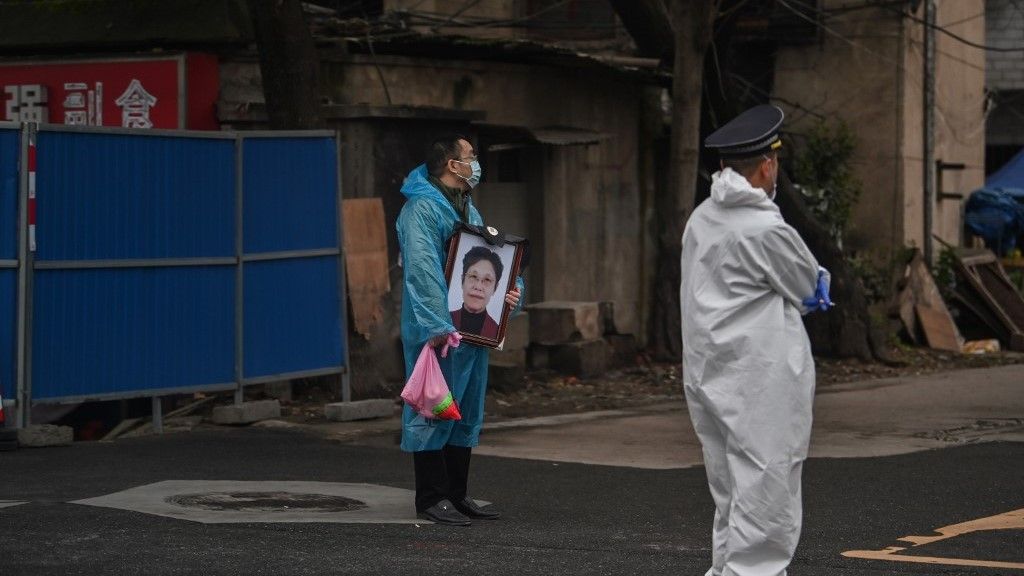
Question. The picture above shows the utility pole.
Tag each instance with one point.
(929, 129)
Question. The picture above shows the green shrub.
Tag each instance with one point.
(825, 179)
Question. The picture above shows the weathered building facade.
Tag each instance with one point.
(556, 130)
(868, 69)
(1004, 80)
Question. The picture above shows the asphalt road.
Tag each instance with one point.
(560, 518)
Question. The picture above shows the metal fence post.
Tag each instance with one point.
(158, 415)
(20, 394)
(239, 272)
(346, 374)
(26, 266)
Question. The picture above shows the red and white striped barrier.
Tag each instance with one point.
(32, 192)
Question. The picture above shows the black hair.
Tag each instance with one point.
(478, 253)
(442, 149)
(745, 165)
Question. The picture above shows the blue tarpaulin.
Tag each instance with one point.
(996, 212)
(1010, 176)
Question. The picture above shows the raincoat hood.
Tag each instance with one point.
(417, 184)
(729, 188)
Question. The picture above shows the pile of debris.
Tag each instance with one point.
(985, 311)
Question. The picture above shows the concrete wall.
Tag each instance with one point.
(868, 70)
(1004, 28)
(591, 208)
(855, 78)
(959, 116)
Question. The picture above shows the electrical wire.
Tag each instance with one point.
(952, 35)
(821, 25)
(497, 22)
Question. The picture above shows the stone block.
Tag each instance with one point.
(360, 410)
(505, 377)
(517, 357)
(554, 323)
(517, 332)
(607, 310)
(43, 435)
(247, 412)
(584, 359)
(623, 349)
(538, 357)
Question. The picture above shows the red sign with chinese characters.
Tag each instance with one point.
(174, 92)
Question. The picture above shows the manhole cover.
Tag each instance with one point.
(266, 501)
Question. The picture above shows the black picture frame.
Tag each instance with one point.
(509, 251)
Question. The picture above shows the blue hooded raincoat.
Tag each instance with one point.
(426, 222)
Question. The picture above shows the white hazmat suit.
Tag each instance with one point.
(748, 372)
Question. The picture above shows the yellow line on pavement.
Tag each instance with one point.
(1013, 520)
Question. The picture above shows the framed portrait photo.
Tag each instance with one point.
(482, 267)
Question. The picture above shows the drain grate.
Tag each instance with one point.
(266, 501)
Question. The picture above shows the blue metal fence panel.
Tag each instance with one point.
(107, 196)
(292, 316)
(8, 331)
(110, 331)
(10, 149)
(105, 331)
(285, 204)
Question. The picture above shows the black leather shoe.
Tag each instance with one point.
(444, 513)
(470, 508)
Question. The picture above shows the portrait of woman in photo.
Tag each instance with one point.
(481, 274)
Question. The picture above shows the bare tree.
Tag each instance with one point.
(690, 32)
(648, 23)
(289, 64)
(844, 331)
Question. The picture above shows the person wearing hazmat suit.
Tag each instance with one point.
(438, 197)
(748, 373)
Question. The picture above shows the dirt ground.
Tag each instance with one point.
(547, 393)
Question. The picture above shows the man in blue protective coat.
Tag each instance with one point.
(439, 196)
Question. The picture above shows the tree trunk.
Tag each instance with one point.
(648, 24)
(692, 22)
(845, 330)
(289, 64)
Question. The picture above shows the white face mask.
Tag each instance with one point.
(775, 181)
(474, 178)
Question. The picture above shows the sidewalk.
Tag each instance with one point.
(880, 417)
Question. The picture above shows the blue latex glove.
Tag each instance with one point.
(820, 301)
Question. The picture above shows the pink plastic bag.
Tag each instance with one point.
(426, 391)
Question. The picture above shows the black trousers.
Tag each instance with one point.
(441, 475)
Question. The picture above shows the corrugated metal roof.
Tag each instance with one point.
(28, 24)
(565, 136)
(512, 136)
